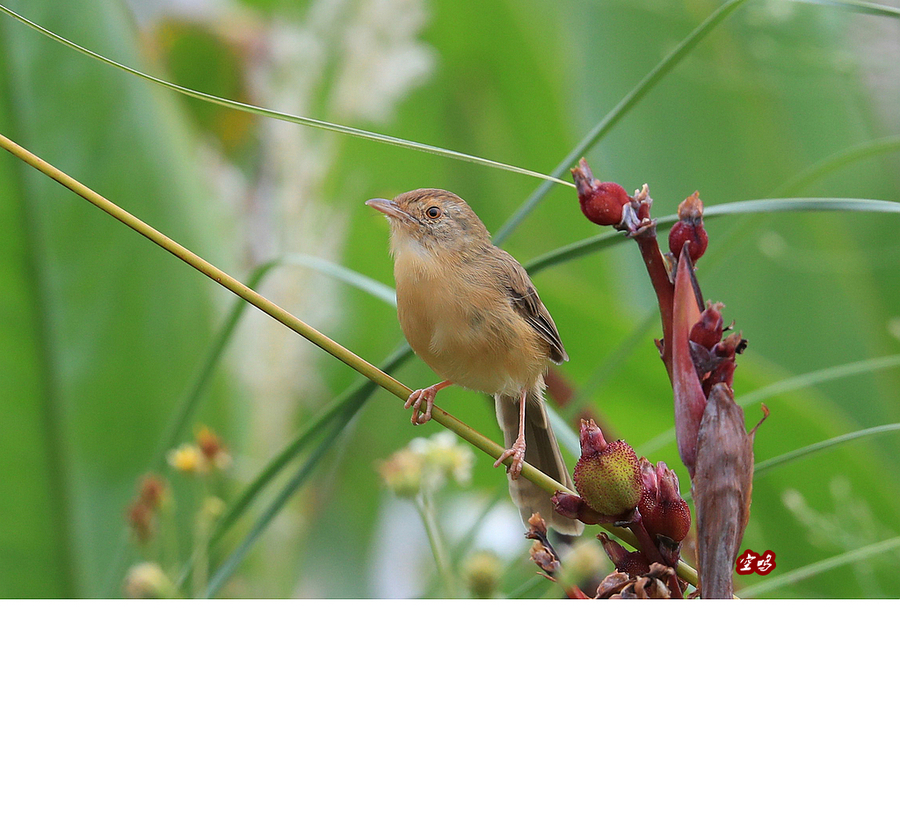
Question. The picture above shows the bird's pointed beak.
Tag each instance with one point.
(391, 210)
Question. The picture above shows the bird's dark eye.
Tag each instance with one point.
(433, 212)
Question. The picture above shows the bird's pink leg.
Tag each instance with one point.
(517, 450)
(416, 397)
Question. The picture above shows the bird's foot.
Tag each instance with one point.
(517, 450)
(416, 397)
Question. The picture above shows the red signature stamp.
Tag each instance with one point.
(750, 562)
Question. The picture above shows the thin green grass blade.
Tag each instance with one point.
(813, 569)
(802, 452)
(802, 204)
(234, 560)
(815, 172)
(595, 243)
(566, 436)
(866, 8)
(195, 391)
(797, 382)
(294, 118)
(841, 159)
(583, 247)
(344, 274)
(628, 102)
(800, 382)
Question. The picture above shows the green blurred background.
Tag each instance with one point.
(102, 333)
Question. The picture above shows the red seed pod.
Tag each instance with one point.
(689, 228)
(663, 510)
(607, 476)
(601, 202)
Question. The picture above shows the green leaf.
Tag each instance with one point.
(100, 330)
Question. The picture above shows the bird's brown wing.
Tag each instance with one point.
(527, 302)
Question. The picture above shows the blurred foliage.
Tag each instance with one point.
(102, 332)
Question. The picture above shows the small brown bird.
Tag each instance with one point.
(469, 310)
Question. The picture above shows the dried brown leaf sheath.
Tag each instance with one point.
(721, 487)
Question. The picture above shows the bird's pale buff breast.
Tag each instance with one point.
(467, 334)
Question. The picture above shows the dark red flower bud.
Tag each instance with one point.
(689, 228)
(601, 202)
(663, 510)
(607, 476)
(571, 506)
(715, 363)
(632, 563)
(707, 332)
(731, 346)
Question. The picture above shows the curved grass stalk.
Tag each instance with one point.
(798, 382)
(866, 8)
(802, 452)
(293, 118)
(802, 204)
(337, 271)
(425, 506)
(841, 159)
(818, 170)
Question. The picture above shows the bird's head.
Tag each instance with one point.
(432, 220)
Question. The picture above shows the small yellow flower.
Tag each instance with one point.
(187, 458)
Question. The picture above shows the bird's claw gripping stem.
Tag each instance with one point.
(517, 450)
(427, 394)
